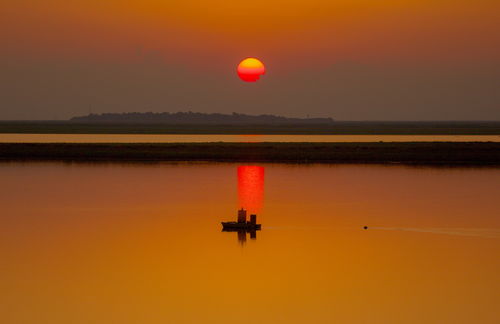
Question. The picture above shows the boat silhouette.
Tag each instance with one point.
(242, 223)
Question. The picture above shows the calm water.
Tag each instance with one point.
(110, 243)
(138, 138)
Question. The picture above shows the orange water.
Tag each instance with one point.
(111, 243)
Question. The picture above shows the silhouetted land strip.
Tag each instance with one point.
(333, 128)
(196, 118)
(440, 153)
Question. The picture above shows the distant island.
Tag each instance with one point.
(240, 124)
(193, 118)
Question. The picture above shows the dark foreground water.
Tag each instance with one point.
(112, 243)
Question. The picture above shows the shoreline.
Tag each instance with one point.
(333, 128)
(410, 153)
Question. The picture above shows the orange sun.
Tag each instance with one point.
(250, 69)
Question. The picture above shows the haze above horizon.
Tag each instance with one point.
(352, 60)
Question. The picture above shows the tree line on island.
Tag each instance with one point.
(195, 118)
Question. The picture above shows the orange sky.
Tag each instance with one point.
(361, 29)
(345, 59)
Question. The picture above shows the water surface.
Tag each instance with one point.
(117, 243)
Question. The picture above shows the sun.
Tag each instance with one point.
(250, 69)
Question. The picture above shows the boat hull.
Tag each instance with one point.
(240, 226)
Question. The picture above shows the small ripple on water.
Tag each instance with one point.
(478, 232)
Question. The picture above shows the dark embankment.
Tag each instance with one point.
(440, 153)
(333, 128)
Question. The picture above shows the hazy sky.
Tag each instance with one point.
(345, 59)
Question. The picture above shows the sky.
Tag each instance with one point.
(345, 59)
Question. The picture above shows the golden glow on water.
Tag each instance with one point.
(251, 187)
(174, 138)
(109, 243)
